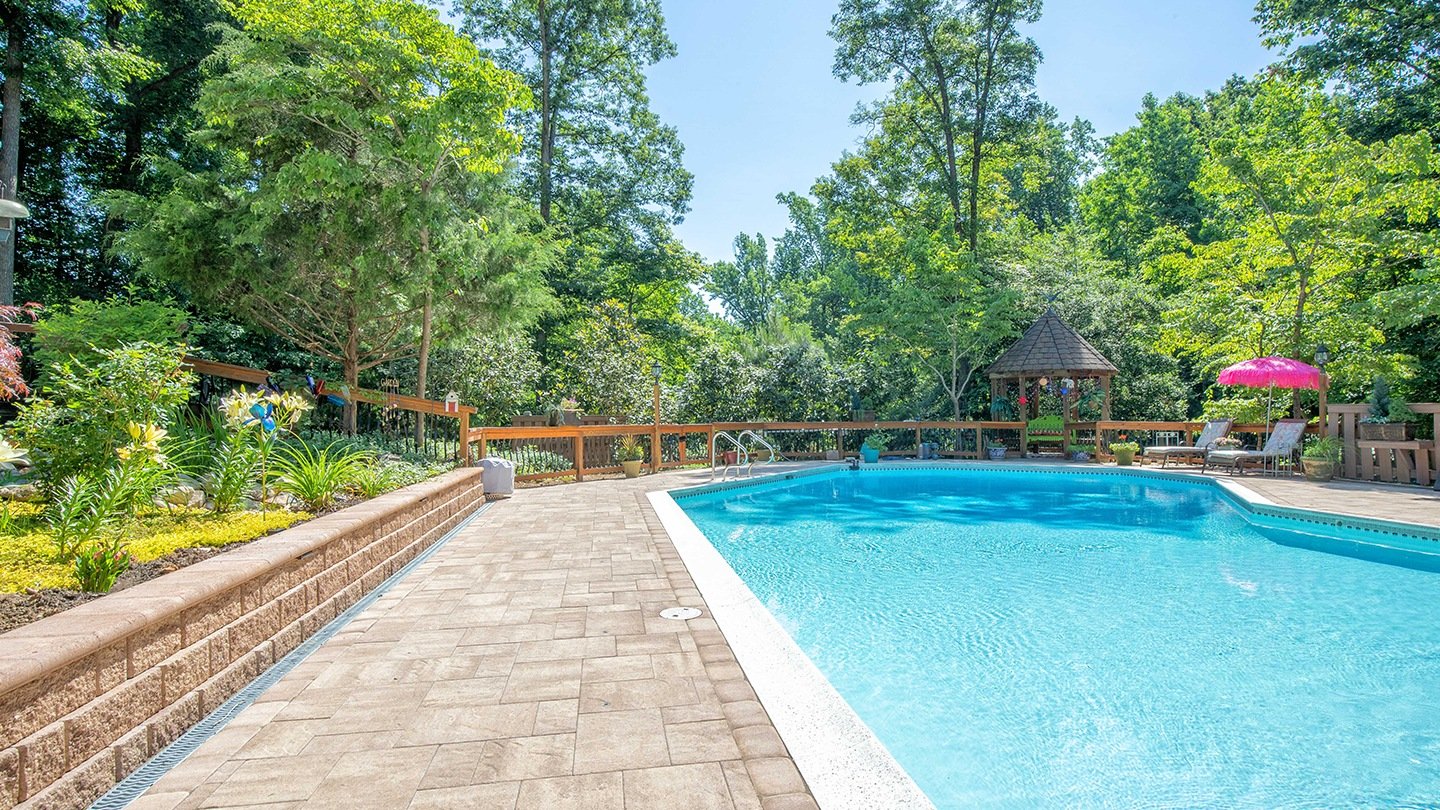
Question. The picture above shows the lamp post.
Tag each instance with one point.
(655, 436)
(1322, 356)
(9, 212)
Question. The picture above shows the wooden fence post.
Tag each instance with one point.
(464, 451)
(579, 456)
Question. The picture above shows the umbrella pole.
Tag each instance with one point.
(1269, 400)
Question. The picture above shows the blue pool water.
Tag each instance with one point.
(1045, 640)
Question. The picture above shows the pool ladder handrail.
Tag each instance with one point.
(743, 458)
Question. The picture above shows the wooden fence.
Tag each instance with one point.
(1395, 462)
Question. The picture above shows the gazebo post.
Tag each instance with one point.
(1105, 406)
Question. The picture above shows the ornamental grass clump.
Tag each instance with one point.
(317, 478)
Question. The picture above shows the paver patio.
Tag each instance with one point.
(525, 666)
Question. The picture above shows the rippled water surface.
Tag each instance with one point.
(1041, 640)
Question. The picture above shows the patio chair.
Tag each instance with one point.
(1215, 430)
(1284, 440)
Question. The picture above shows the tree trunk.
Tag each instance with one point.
(547, 114)
(350, 366)
(1297, 333)
(10, 143)
(422, 370)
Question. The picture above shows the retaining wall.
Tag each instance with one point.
(86, 696)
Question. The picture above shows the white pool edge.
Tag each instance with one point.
(843, 762)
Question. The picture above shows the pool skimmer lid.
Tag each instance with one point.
(680, 613)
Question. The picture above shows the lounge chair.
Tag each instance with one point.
(1214, 431)
(1284, 440)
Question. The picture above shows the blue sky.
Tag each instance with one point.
(760, 113)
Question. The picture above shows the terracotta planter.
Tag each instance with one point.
(1318, 469)
(632, 467)
(730, 456)
(1385, 432)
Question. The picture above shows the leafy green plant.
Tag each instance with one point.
(1125, 447)
(1325, 448)
(263, 417)
(628, 447)
(86, 510)
(1379, 403)
(80, 331)
(375, 478)
(83, 414)
(878, 441)
(98, 566)
(234, 461)
(317, 477)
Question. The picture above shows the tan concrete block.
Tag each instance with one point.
(436, 726)
(172, 721)
(130, 751)
(82, 785)
(596, 737)
(617, 668)
(556, 716)
(705, 741)
(742, 790)
(373, 779)
(526, 758)
(724, 671)
(9, 778)
(775, 776)
(543, 680)
(746, 713)
(598, 791)
(185, 672)
(734, 691)
(152, 645)
(254, 628)
(45, 700)
(42, 759)
(565, 649)
(694, 787)
(262, 781)
(760, 742)
(108, 717)
(637, 694)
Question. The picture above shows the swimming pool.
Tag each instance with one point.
(1021, 639)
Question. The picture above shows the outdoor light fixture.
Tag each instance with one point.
(9, 212)
(655, 371)
(1322, 355)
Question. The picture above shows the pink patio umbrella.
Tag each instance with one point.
(1268, 372)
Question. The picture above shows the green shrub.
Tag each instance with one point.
(81, 418)
(531, 460)
(317, 477)
(81, 330)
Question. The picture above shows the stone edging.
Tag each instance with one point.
(86, 696)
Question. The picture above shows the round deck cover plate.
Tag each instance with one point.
(680, 613)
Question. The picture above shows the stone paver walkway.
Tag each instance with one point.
(523, 666)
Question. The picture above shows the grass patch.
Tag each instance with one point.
(27, 555)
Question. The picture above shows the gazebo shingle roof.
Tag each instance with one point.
(1050, 346)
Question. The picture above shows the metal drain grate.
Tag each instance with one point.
(133, 786)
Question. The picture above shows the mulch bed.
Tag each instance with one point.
(17, 609)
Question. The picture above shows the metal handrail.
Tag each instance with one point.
(739, 447)
(774, 454)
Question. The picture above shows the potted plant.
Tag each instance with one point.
(996, 449)
(875, 444)
(1320, 458)
(1125, 453)
(565, 412)
(631, 454)
(1388, 418)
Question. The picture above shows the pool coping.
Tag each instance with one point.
(844, 763)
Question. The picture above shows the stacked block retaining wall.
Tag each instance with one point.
(88, 695)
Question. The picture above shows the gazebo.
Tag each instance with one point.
(1050, 350)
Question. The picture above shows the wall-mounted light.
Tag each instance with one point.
(9, 212)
